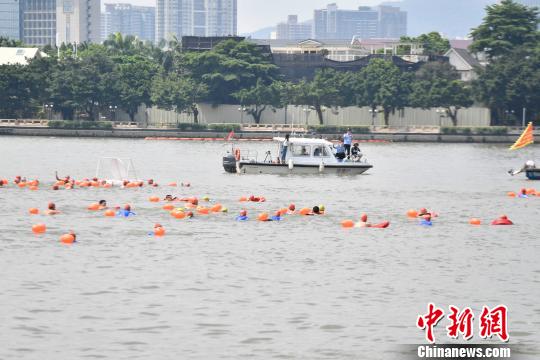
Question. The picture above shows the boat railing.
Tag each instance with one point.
(248, 155)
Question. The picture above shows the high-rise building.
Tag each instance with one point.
(78, 21)
(129, 19)
(10, 19)
(39, 22)
(195, 18)
(365, 22)
(392, 22)
(292, 30)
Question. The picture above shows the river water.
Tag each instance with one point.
(303, 288)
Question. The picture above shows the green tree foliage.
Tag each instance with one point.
(323, 91)
(259, 97)
(7, 42)
(15, 89)
(179, 93)
(382, 84)
(511, 83)
(133, 78)
(437, 85)
(230, 67)
(433, 42)
(506, 26)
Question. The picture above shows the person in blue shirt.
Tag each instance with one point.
(125, 212)
(243, 216)
(347, 142)
(276, 217)
(523, 194)
(340, 151)
(426, 221)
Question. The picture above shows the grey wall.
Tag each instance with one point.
(475, 116)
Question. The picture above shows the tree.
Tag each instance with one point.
(15, 97)
(433, 42)
(231, 66)
(511, 83)
(7, 42)
(133, 76)
(321, 92)
(179, 93)
(437, 84)
(381, 84)
(259, 98)
(506, 26)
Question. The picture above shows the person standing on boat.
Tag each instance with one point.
(347, 142)
(284, 148)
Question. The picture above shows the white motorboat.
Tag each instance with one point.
(304, 156)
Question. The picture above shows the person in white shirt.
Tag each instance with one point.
(284, 148)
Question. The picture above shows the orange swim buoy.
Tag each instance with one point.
(109, 213)
(347, 224)
(412, 213)
(531, 191)
(21, 184)
(159, 231)
(168, 207)
(216, 208)
(475, 221)
(93, 207)
(154, 199)
(203, 211)
(67, 239)
(33, 188)
(305, 211)
(243, 199)
(237, 154)
(178, 214)
(263, 217)
(511, 194)
(33, 211)
(39, 228)
(173, 184)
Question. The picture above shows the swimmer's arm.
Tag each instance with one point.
(56, 175)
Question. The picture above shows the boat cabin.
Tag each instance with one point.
(307, 150)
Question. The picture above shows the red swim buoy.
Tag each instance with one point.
(67, 239)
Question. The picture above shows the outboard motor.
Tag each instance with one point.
(229, 163)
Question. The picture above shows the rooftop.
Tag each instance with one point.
(18, 56)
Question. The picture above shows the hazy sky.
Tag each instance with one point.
(256, 14)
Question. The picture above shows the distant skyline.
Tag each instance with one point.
(457, 16)
(256, 14)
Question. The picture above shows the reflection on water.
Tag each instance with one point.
(303, 288)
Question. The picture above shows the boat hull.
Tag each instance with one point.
(283, 169)
(533, 174)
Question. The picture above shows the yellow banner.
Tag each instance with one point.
(525, 139)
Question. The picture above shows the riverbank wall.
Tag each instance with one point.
(172, 134)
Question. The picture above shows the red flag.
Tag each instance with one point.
(230, 136)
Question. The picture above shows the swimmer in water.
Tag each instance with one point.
(243, 216)
(152, 183)
(292, 209)
(190, 214)
(170, 198)
(102, 204)
(51, 209)
(523, 194)
(126, 211)
(65, 180)
(363, 223)
(276, 217)
(316, 210)
(426, 221)
(17, 179)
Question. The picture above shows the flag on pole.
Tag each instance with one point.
(230, 136)
(525, 139)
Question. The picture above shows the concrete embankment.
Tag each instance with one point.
(172, 134)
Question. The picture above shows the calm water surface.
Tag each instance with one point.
(302, 288)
